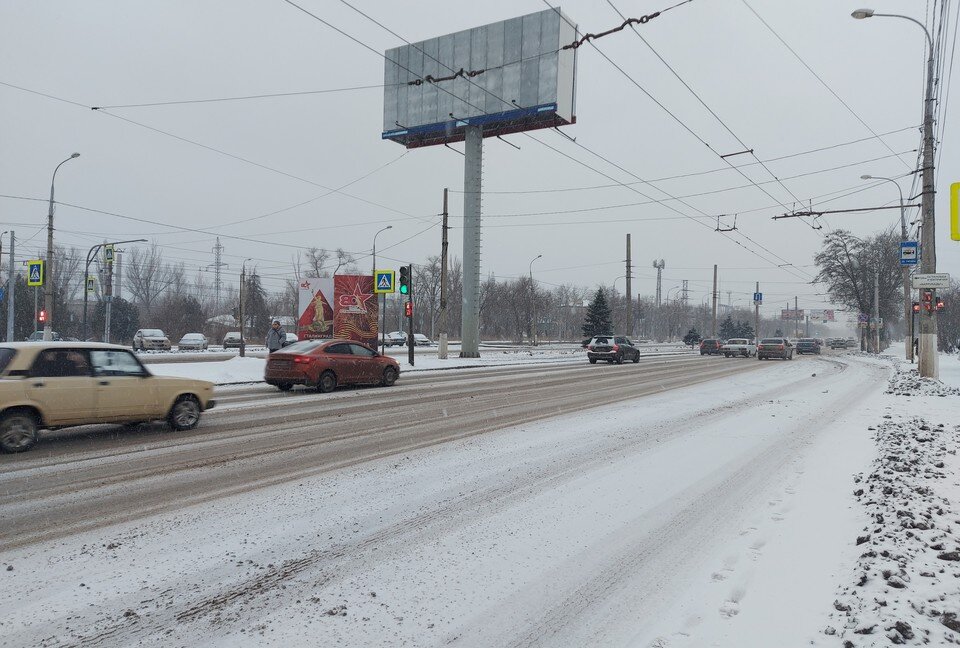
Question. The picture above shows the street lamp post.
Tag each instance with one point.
(48, 279)
(243, 280)
(533, 304)
(91, 254)
(907, 293)
(383, 307)
(928, 252)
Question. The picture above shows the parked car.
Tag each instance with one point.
(291, 339)
(711, 347)
(838, 343)
(54, 385)
(808, 345)
(37, 336)
(231, 340)
(852, 343)
(612, 348)
(419, 339)
(775, 348)
(396, 338)
(151, 340)
(193, 342)
(327, 364)
(738, 347)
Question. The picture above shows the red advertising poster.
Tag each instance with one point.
(316, 308)
(356, 310)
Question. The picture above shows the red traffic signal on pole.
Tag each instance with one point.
(408, 309)
(916, 307)
(42, 317)
(940, 304)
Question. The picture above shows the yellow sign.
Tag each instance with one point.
(35, 272)
(955, 211)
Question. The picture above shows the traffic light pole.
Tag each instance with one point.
(410, 317)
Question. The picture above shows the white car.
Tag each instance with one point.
(396, 338)
(420, 339)
(193, 342)
(291, 338)
(738, 347)
(151, 340)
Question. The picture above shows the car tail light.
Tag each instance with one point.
(780, 347)
(616, 347)
(302, 359)
(701, 345)
(590, 347)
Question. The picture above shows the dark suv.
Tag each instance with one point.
(612, 348)
(711, 347)
(808, 345)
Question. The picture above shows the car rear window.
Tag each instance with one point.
(771, 341)
(808, 340)
(601, 340)
(711, 341)
(6, 355)
(305, 346)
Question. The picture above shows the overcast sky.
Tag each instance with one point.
(229, 161)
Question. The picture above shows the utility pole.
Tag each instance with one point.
(629, 292)
(243, 280)
(928, 367)
(685, 290)
(410, 342)
(876, 308)
(217, 264)
(472, 186)
(119, 273)
(713, 331)
(756, 316)
(442, 350)
(796, 318)
(108, 296)
(11, 288)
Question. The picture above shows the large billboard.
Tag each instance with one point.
(315, 310)
(356, 310)
(790, 314)
(822, 315)
(506, 77)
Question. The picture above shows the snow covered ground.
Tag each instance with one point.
(726, 514)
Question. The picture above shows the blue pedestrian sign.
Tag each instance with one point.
(2, 293)
(383, 282)
(35, 272)
(757, 298)
(909, 253)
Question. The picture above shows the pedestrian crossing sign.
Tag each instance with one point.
(91, 284)
(35, 272)
(383, 282)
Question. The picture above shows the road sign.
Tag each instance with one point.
(1, 294)
(934, 280)
(35, 274)
(863, 318)
(955, 211)
(908, 253)
(384, 282)
(91, 284)
(757, 298)
(108, 253)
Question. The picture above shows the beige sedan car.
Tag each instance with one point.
(60, 384)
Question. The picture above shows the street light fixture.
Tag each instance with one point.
(48, 278)
(928, 251)
(907, 293)
(383, 315)
(243, 280)
(91, 255)
(533, 304)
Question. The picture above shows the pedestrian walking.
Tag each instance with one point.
(276, 337)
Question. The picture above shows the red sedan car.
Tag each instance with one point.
(325, 364)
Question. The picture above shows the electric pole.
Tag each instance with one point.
(796, 318)
(217, 265)
(659, 265)
(629, 292)
(11, 287)
(713, 332)
(442, 349)
(756, 315)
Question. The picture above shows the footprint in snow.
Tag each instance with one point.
(729, 609)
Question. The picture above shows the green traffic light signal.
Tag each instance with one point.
(404, 280)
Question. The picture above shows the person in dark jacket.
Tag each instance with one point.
(276, 337)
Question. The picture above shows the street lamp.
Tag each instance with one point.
(243, 280)
(48, 279)
(533, 304)
(928, 252)
(383, 315)
(91, 254)
(907, 293)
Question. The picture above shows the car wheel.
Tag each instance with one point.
(185, 413)
(593, 360)
(284, 386)
(18, 431)
(389, 377)
(327, 382)
(636, 358)
(620, 359)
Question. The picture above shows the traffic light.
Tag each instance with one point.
(405, 280)
(42, 317)
(408, 309)
(916, 307)
(940, 304)
(926, 297)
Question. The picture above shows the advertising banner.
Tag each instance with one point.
(356, 310)
(820, 315)
(315, 308)
(790, 314)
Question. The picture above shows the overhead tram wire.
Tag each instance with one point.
(679, 121)
(271, 95)
(383, 56)
(209, 148)
(822, 82)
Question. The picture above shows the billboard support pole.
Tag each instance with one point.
(442, 350)
(472, 186)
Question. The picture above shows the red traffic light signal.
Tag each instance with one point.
(42, 317)
(940, 304)
(408, 309)
(916, 307)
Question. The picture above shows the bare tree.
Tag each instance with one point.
(146, 276)
(67, 279)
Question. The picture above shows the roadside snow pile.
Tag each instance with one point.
(907, 588)
(909, 383)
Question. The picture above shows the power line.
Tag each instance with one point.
(182, 102)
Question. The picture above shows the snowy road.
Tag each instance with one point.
(594, 507)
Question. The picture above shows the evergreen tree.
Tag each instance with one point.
(692, 337)
(744, 330)
(124, 320)
(598, 319)
(778, 333)
(728, 329)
